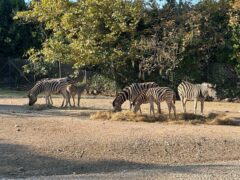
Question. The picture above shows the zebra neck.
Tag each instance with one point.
(203, 92)
(37, 90)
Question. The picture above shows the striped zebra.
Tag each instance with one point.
(188, 91)
(157, 95)
(130, 93)
(73, 89)
(50, 86)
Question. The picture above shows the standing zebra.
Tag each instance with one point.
(130, 93)
(189, 91)
(50, 86)
(157, 95)
(73, 89)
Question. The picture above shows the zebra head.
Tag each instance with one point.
(210, 89)
(32, 99)
(116, 105)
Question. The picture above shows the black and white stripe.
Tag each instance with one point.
(50, 86)
(188, 91)
(130, 93)
(157, 95)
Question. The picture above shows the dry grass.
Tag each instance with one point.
(126, 116)
(182, 118)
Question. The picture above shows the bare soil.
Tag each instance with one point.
(62, 141)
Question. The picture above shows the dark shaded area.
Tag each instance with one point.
(20, 162)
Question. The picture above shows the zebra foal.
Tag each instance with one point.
(130, 93)
(73, 89)
(188, 91)
(157, 95)
(50, 86)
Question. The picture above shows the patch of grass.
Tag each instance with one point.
(11, 93)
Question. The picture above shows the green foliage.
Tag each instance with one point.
(15, 38)
(167, 44)
(85, 32)
(102, 84)
(37, 65)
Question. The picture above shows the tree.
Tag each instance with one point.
(85, 32)
(15, 38)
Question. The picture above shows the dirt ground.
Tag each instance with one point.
(63, 141)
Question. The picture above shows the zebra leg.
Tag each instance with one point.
(130, 105)
(73, 97)
(140, 110)
(195, 106)
(63, 102)
(65, 97)
(183, 106)
(68, 100)
(174, 109)
(50, 99)
(159, 108)
(46, 98)
(152, 108)
(202, 104)
(79, 98)
(169, 109)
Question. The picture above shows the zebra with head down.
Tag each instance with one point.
(50, 86)
(130, 93)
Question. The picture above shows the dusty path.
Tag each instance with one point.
(64, 141)
(219, 170)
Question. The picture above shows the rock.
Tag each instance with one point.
(18, 129)
(21, 169)
(227, 100)
(16, 125)
(236, 100)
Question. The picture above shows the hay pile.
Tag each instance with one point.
(182, 118)
(126, 116)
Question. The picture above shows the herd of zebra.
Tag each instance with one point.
(136, 93)
(151, 92)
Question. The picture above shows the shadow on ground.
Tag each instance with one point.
(20, 162)
(43, 110)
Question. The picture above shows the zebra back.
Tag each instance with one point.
(160, 94)
(50, 85)
(132, 91)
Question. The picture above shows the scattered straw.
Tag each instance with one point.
(101, 115)
(183, 118)
(126, 116)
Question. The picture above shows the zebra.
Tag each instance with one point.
(188, 91)
(50, 86)
(157, 95)
(73, 89)
(130, 93)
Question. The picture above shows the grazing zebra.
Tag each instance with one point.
(130, 93)
(50, 86)
(157, 95)
(73, 89)
(189, 91)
